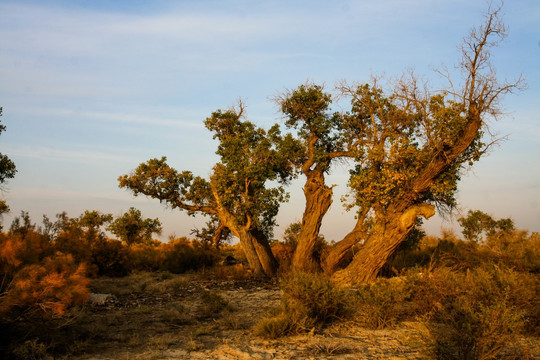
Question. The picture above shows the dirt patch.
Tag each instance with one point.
(157, 316)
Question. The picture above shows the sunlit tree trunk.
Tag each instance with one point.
(340, 252)
(318, 200)
(387, 233)
(264, 252)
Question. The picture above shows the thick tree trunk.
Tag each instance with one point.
(318, 200)
(248, 241)
(388, 232)
(264, 252)
(339, 254)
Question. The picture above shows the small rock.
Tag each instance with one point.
(101, 299)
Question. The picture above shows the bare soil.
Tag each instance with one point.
(168, 317)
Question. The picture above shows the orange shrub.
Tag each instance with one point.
(48, 288)
(181, 255)
(145, 257)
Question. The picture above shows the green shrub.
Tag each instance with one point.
(479, 314)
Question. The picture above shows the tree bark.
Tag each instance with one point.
(248, 245)
(318, 200)
(264, 253)
(338, 254)
(387, 233)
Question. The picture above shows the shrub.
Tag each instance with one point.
(145, 257)
(212, 304)
(181, 255)
(111, 257)
(478, 315)
(309, 301)
(50, 288)
(283, 254)
(382, 304)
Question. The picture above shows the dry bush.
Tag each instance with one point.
(228, 272)
(146, 257)
(49, 288)
(111, 257)
(482, 316)
(284, 254)
(473, 314)
(309, 301)
(212, 303)
(382, 304)
(181, 255)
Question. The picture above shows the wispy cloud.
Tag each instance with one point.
(78, 156)
(130, 118)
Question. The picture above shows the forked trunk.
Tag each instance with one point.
(247, 240)
(318, 201)
(386, 235)
(340, 254)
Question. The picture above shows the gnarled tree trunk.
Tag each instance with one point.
(384, 238)
(339, 253)
(318, 200)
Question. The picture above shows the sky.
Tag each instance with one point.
(90, 89)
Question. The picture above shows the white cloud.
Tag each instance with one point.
(79, 156)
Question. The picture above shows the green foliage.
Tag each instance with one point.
(131, 228)
(477, 226)
(7, 167)
(320, 135)
(290, 236)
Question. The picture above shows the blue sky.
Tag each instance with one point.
(92, 88)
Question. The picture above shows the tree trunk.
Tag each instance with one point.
(338, 256)
(318, 200)
(247, 240)
(264, 253)
(388, 232)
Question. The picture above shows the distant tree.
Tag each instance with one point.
(22, 224)
(131, 228)
(477, 225)
(77, 236)
(214, 232)
(290, 235)
(7, 171)
(236, 192)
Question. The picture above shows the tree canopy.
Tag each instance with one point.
(408, 146)
(237, 191)
(131, 228)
